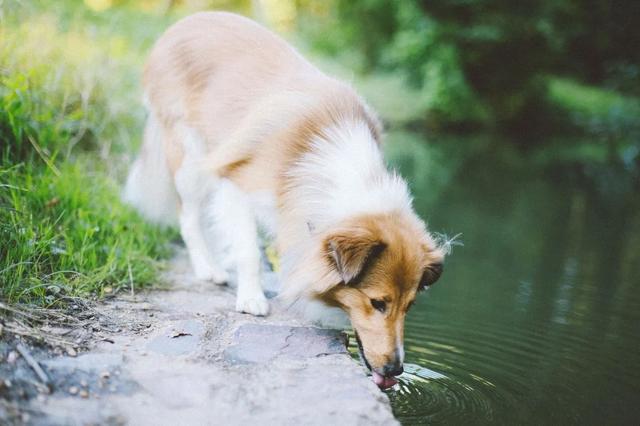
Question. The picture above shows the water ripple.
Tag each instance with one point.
(426, 396)
(461, 372)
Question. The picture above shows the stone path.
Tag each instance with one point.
(183, 357)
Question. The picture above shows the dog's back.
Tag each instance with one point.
(214, 70)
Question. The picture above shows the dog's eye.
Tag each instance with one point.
(379, 305)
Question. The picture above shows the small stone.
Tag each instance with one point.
(146, 306)
(42, 390)
(7, 383)
(73, 390)
(12, 357)
(83, 383)
(84, 394)
(108, 289)
(72, 352)
(176, 333)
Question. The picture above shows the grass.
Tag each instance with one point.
(70, 118)
(67, 233)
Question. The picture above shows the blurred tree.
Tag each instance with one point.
(497, 50)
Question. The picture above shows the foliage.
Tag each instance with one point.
(488, 60)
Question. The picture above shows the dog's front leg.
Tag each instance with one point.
(235, 218)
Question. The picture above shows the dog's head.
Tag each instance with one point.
(379, 264)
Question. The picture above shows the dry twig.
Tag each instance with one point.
(34, 365)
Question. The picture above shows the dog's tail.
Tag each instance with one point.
(150, 188)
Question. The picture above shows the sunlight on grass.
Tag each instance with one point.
(98, 5)
(67, 93)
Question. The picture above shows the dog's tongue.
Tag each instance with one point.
(382, 381)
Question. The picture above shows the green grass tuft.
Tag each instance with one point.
(68, 234)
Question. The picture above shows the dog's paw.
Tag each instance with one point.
(257, 305)
(208, 273)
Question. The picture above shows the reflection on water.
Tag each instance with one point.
(536, 320)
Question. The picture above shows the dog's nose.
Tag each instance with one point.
(393, 369)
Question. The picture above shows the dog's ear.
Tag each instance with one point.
(430, 275)
(350, 252)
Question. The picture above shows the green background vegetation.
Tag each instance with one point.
(548, 82)
(69, 114)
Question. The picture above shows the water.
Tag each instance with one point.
(536, 319)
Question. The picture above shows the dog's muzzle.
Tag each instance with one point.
(385, 380)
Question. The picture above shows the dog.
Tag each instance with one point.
(244, 134)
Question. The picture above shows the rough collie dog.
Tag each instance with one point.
(244, 131)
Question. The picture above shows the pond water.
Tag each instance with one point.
(536, 319)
